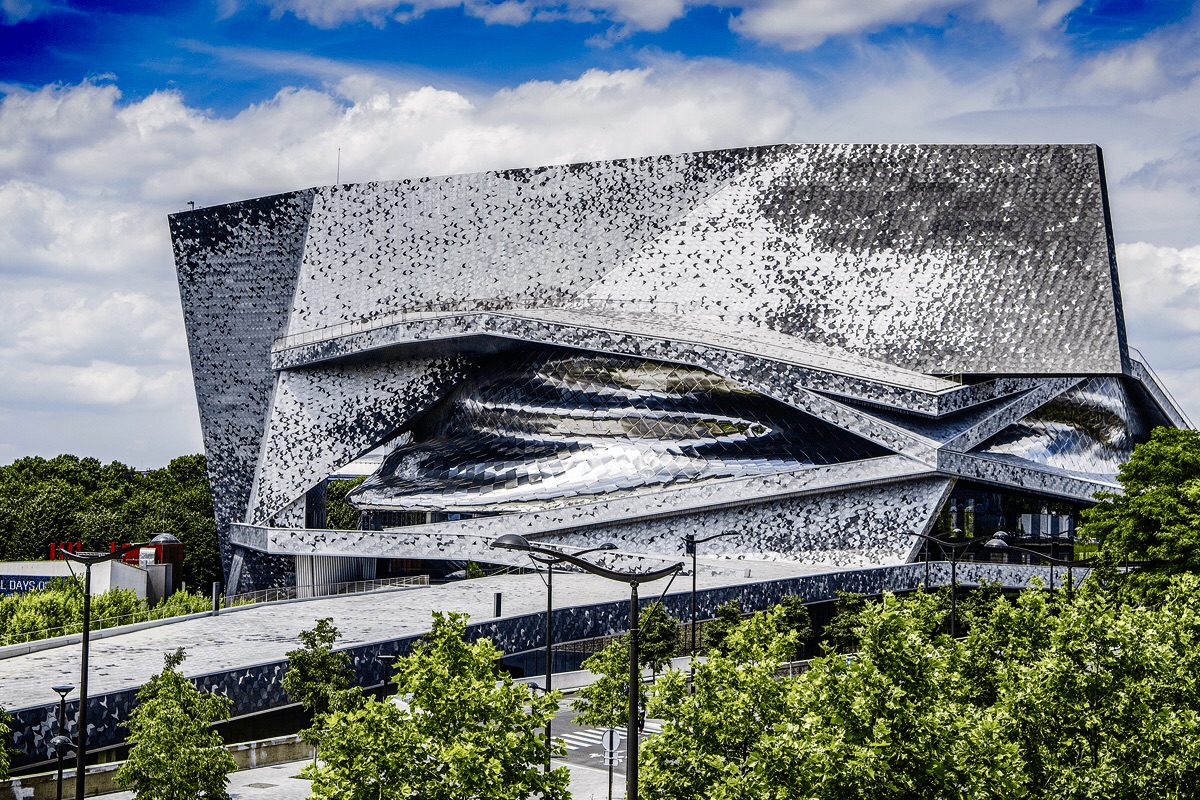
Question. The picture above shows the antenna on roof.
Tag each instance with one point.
(338, 179)
(192, 205)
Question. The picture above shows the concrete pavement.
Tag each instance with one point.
(264, 634)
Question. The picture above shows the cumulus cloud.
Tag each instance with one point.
(647, 15)
(792, 24)
(14, 11)
(89, 314)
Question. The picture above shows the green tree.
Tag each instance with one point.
(339, 514)
(885, 723)
(464, 731)
(716, 630)
(1107, 704)
(605, 701)
(658, 641)
(795, 618)
(711, 734)
(1156, 518)
(46, 500)
(176, 755)
(5, 744)
(319, 678)
(841, 634)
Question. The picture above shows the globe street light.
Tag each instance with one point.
(954, 548)
(512, 541)
(550, 562)
(61, 742)
(88, 559)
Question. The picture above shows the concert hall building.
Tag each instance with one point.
(821, 349)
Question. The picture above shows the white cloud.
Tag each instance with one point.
(792, 24)
(14, 11)
(89, 317)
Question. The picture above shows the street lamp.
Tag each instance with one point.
(550, 562)
(998, 543)
(61, 742)
(689, 548)
(954, 548)
(88, 559)
(512, 541)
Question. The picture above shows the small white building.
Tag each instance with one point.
(23, 576)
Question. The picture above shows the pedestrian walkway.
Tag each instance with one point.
(257, 635)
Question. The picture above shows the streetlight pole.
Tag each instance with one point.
(61, 741)
(549, 563)
(1000, 544)
(689, 548)
(512, 541)
(954, 548)
(88, 559)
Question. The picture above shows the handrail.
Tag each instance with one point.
(1162, 387)
(328, 590)
(262, 596)
(400, 316)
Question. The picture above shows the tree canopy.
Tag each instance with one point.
(461, 731)
(605, 701)
(79, 499)
(176, 755)
(1156, 519)
(319, 678)
(1044, 698)
(5, 744)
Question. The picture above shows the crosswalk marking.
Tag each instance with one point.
(592, 737)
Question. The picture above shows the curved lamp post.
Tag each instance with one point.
(549, 563)
(955, 549)
(512, 541)
(998, 543)
(689, 548)
(88, 559)
(61, 742)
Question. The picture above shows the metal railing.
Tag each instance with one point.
(147, 615)
(331, 590)
(167, 612)
(424, 311)
(1162, 387)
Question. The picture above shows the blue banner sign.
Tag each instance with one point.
(14, 584)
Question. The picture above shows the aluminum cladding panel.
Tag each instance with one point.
(943, 259)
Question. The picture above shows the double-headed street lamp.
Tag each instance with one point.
(999, 544)
(88, 559)
(512, 541)
(61, 742)
(689, 548)
(955, 549)
(549, 563)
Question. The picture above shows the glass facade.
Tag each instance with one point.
(543, 426)
(1039, 523)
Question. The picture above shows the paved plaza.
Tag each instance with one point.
(257, 635)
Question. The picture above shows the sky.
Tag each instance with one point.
(115, 114)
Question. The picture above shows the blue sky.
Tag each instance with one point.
(114, 114)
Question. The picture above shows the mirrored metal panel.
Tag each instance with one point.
(544, 426)
(1090, 429)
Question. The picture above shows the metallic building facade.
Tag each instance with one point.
(822, 348)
